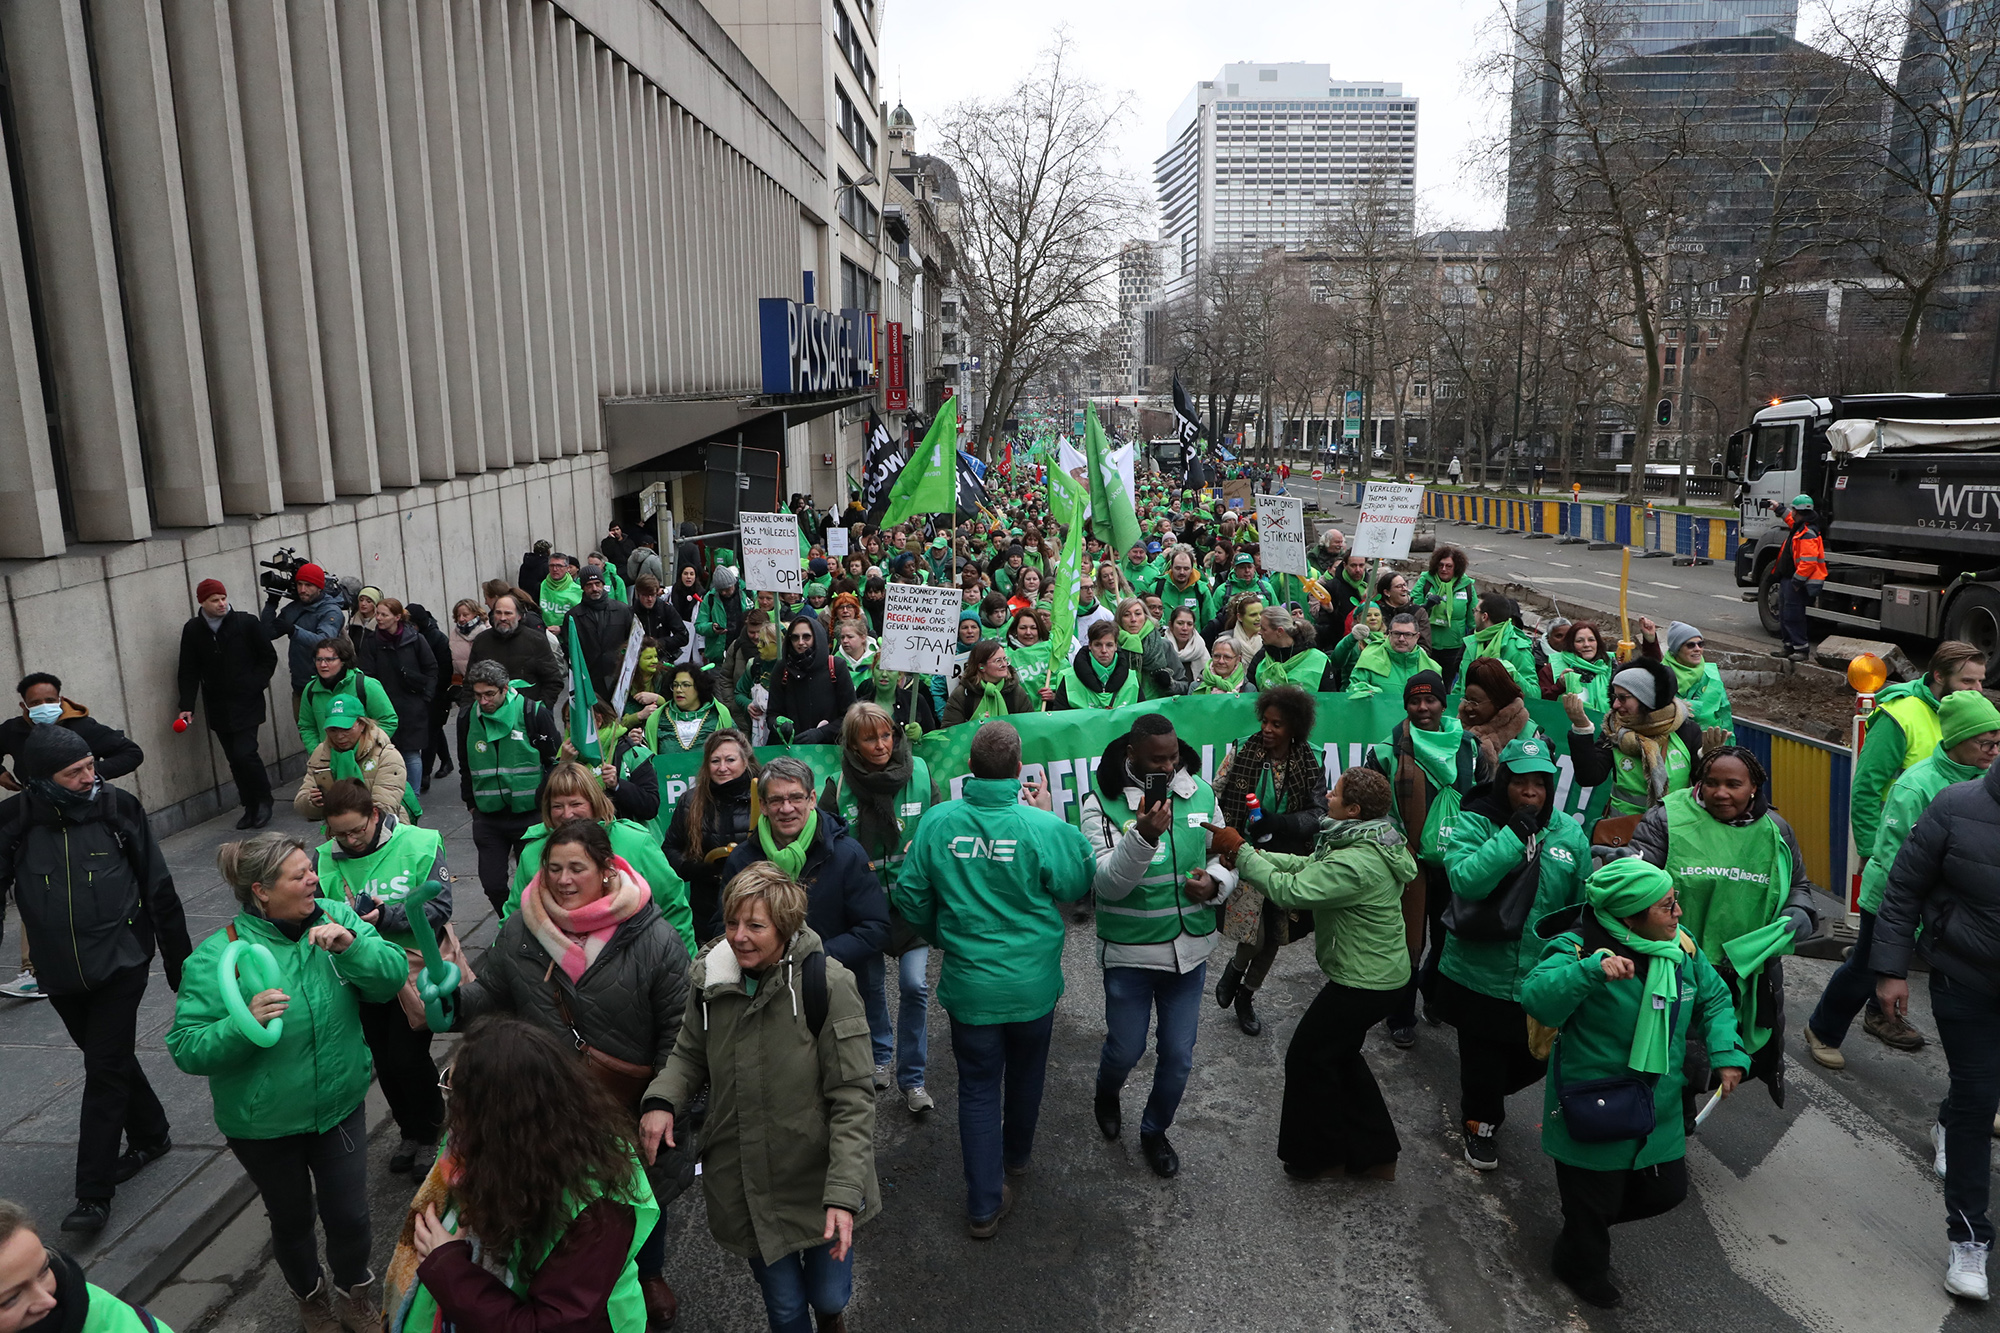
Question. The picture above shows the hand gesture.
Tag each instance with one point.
(1155, 819)
(1578, 717)
(1224, 842)
(1036, 793)
(428, 1233)
(655, 1128)
(331, 936)
(1617, 968)
(1647, 629)
(266, 1005)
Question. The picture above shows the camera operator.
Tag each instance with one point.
(313, 615)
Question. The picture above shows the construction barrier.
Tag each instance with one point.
(1810, 782)
(1641, 527)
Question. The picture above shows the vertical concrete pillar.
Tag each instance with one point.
(402, 80)
(577, 236)
(529, 25)
(334, 249)
(449, 237)
(48, 65)
(379, 259)
(228, 287)
(143, 157)
(30, 510)
(621, 216)
(506, 148)
(482, 241)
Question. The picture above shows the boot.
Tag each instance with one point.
(831, 1323)
(356, 1308)
(316, 1311)
(661, 1306)
(1226, 986)
(1246, 1013)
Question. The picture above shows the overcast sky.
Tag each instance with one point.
(935, 52)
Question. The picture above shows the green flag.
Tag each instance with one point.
(929, 483)
(1065, 508)
(1065, 490)
(1112, 518)
(582, 699)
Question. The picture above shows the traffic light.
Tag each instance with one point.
(1664, 413)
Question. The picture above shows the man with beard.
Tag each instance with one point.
(524, 655)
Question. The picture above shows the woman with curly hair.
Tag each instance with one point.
(1278, 766)
(1446, 592)
(1576, 660)
(537, 1211)
(1493, 713)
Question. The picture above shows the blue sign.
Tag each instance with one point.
(807, 350)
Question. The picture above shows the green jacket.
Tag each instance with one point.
(1451, 618)
(1377, 670)
(1909, 797)
(711, 621)
(641, 850)
(107, 1314)
(1479, 857)
(1220, 594)
(1512, 647)
(1172, 598)
(1706, 696)
(1353, 885)
(1568, 990)
(317, 698)
(318, 1071)
(982, 880)
(791, 1117)
(1884, 756)
(558, 599)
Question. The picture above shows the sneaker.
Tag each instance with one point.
(404, 1159)
(136, 1160)
(986, 1228)
(88, 1215)
(883, 1078)
(1966, 1274)
(918, 1100)
(1893, 1031)
(1482, 1151)
(1937, 1148)
(1403, 1038)
(1827, 1057)
(24, 987)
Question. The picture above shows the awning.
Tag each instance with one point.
(638, 432)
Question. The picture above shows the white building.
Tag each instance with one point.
(1138, 288)
(1261, 155)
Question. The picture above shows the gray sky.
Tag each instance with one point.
(935, 52)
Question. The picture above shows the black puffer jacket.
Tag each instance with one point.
(628, 1004)
(440, 645)
(602, 628)
(845, 903)
(1947, 879)
(813, 688)
(407, 671)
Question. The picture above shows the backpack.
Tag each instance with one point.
(813, 973)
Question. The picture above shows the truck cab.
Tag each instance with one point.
(1901, 484)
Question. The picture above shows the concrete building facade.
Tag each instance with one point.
(382, 281)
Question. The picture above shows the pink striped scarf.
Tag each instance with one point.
(574, 938)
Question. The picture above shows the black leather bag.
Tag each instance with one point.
(1604, 1110)
(1502, 914)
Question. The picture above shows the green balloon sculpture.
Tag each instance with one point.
(260, 969)
(439, 978)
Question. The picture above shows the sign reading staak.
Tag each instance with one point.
(810, 350)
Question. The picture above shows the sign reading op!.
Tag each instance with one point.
(919, 629)
(771, 552)
(808, 350)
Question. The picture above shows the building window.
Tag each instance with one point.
(854, 127)
(848, 38)
(859, 289)
(856, 211)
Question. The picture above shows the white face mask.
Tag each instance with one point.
(45, 714)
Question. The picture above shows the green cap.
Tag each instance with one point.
(939, 541)
(344, 711)
(1527, 756)
(1802, 501)
(1965, 714)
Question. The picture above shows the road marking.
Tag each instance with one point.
(1836, 1218)
(1489, 550)
(1657, 584)
(1722, 598)
(1558, 564)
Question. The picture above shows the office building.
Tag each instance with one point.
(1262, 156)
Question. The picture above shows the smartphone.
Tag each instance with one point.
(364, 903)
(1154, 788)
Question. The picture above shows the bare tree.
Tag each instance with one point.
(1041, 217)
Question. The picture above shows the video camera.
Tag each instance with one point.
(285, 564)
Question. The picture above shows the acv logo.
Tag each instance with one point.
(969, 848)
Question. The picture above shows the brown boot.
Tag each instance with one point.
(357, 1309)
(661, 1306)
(316, 1311)
(832, 1323)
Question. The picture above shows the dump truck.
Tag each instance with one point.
(1907, 488)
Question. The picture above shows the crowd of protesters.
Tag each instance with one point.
(705, 980)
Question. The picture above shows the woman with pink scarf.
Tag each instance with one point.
(589, 956)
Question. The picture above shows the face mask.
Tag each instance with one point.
(45, 714)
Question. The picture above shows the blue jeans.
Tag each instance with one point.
(1851, 986)
(1968, 1025)
(1000, 1071)
(1792, 594)
(1130, 996)
(804, 1282)
(908, 1042)
(413, 763)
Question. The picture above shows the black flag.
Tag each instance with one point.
(881, 459)
(1188, 417)
(971, 486)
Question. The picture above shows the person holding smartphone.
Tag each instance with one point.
(1157, 889)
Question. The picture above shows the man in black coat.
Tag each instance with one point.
(523, 650)
(845, 904)
(95, 897)
(616, 548)
(534, 568)
(603, 626)
(655, 612)
(42, 701)
(227, 657)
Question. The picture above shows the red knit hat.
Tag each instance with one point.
(311, 573)
(208, 588)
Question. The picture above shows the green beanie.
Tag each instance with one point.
(1626, 887)
(1965, 714)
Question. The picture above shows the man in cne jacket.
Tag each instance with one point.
(984, 880)
(95, 897)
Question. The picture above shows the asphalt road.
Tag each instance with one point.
(1703, 595)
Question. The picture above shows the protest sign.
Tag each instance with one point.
(1281, 530)
(919, 629)
(1388, 520)
(771, 553)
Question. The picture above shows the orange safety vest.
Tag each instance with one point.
(1808, 552)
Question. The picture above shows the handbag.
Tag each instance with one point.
(1604, 1110)
(1614, 830)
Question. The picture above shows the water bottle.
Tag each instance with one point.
(1256, 809)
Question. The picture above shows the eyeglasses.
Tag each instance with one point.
(786, 802)
(1987, 746)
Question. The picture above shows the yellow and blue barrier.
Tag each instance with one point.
(1810, 781)
(1639, 526)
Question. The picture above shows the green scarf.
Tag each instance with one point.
(1687, 678)
(791, 859)
(1492, 640)
(1133, 643)
(1229, 684)
(342, 764)
(992, 702)
(1656, 1007)
(1436, 752)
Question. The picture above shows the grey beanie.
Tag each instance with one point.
(49, 750)
(1640, 684)
(725, 578)
(1678, 635)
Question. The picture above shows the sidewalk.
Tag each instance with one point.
(166, 1213)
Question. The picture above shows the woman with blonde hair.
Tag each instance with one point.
(775, 1029)
(718, 811)
(571, 791)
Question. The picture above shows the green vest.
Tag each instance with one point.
(626, 1308)
(1919, 721)
(1082, 693)
(1628, 777)
(1157, 910)
(1730, 881)
(1301, 669)
(911, 802)
(390, 872)
(505, 769)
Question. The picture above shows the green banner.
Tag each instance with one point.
(1063, 748)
